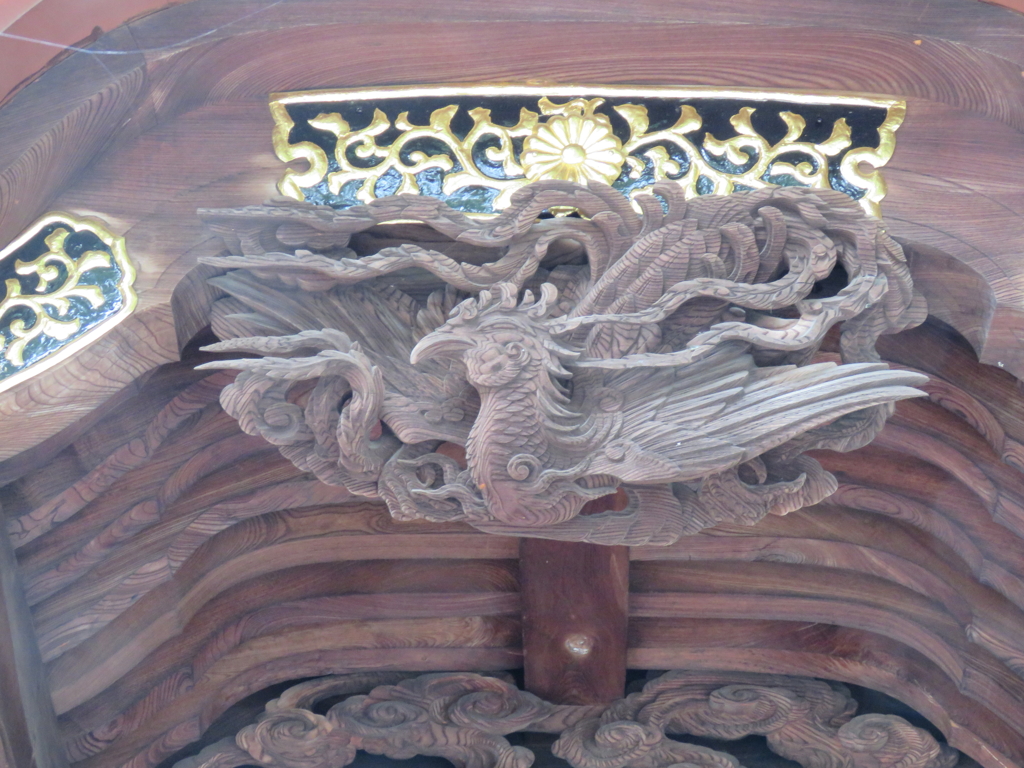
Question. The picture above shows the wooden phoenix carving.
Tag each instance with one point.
(465, 717)
(668, 355)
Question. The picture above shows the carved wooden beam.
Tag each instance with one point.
(465, 717)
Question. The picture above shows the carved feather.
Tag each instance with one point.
(680, 425)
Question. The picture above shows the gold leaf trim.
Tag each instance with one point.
(59, 279)
(538, 146)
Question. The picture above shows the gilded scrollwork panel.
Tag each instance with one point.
(474, 146)
(66, 281)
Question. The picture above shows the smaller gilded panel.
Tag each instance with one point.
(474, 146)
(66, 281)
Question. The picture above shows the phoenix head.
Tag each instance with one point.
(522, 448)
(499, 340)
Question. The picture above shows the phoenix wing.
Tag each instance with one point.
(682, 424)
(428, 402)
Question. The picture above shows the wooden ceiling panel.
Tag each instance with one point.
(174, 565)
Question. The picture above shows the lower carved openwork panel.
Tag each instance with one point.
(465, 718)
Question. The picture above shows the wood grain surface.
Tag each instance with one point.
(574, 620)
(174, 566)
(830, 652)
(28, 726)
(185, 125)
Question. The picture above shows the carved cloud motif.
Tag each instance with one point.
(464, 718)
(507, 372)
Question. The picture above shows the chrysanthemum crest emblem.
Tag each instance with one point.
(575, 144)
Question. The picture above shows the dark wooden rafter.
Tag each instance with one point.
(28, 727)
(575, 611)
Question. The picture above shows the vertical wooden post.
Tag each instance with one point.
(574, 620)
(28, 725)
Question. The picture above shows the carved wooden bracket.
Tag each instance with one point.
(465, 717)
(507, 372)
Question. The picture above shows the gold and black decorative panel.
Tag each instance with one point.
(474, 146)
(66, 281)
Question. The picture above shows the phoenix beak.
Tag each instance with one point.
(437, 345)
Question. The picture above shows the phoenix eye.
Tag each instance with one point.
(514, 349)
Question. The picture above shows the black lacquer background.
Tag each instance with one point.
(109, 280)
